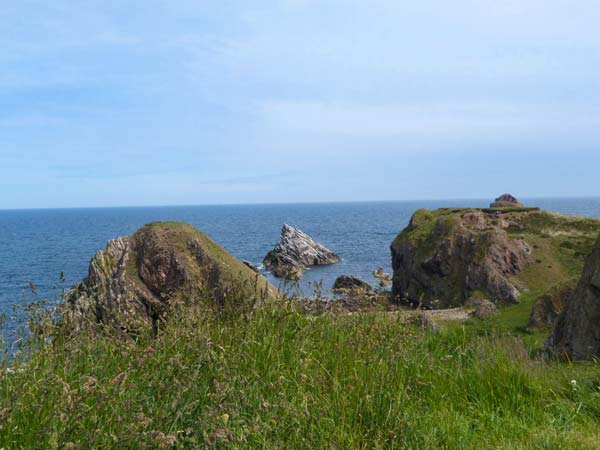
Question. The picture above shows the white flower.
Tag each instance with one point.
(573, 382)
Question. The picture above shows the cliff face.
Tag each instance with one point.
(577, 330)
(138, 280)
(446, 256)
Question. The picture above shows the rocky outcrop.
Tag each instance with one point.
(482, 308)
(577, 330)
(442, 258)
(385, 279)
(296, 251)
(139, 280)
(550, 305)
(350, 284)
(423, 321)
(506, 201)
(446, 256)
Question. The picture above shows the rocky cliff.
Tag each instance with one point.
(446, 256)
(577, 330)
(296, 251)
(138, 280)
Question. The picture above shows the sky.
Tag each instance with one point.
(176, 102)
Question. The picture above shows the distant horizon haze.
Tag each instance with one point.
(527, 200)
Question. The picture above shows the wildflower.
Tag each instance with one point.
(574, 384)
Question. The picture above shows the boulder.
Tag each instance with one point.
(482, 308)
(380, 273)
(550, 305)
(296, 251)
(576, 333)
(345, 283)
(506, 201)
(423, 321)
(139, 280)
(385, 279)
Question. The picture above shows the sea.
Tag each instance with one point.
(38, 245)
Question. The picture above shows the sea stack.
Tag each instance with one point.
(296, 251)
(506, 201)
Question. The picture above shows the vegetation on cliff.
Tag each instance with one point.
(140, 280)
(576, 333)
(507, 255)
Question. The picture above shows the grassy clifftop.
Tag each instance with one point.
(139, 280)
(487, 251)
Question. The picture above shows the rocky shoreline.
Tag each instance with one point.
(467, 260)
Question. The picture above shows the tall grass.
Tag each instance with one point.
(279, 378)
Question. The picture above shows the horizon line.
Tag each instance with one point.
(323, 202)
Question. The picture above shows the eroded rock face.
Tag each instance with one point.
(506, 201)
(442, 258)
(577, 330)
(346, 283)
(138, 280)
(296, 251)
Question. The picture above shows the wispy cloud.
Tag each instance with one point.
(425, 121)
(222, 97)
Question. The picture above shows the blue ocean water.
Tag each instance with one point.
(37, 245)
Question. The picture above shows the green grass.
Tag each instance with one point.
(507, 209)
(282, 379)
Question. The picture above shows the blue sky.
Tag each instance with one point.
(112, 103)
